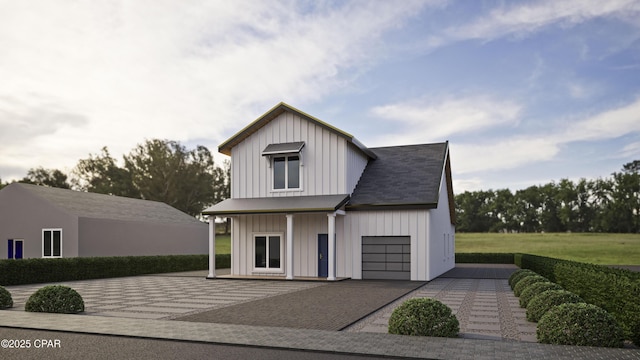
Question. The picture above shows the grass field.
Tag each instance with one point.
(605, 249)
(223, 244)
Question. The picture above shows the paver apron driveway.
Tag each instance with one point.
(163, 296)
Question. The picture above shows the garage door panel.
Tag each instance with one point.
(374, 249)
(394, 249)
(374, 266)
(387, 275)
(386, 257)
(394, 258)
(374, 257)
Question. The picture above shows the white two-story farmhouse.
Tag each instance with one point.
(309, 200)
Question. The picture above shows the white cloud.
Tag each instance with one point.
(438, 119)
(520, 20)
(78, 76)
(606, 125)
(503, 154)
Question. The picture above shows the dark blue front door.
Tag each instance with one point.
(10, 249)
(18, 254)
(323, 258)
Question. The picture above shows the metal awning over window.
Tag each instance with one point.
(284, 148)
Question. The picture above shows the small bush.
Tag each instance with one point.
(535, 289)
(526, 282)
(423, 317)
(519, 275)
(55, 299)
(5, 298)
(579, 324)
(541, 303)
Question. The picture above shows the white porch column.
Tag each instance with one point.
(289, 264)
(332, 246)
(212, 247)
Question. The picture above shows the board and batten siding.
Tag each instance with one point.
(413, 223)
(306, 228)
(330, 164)
(442, 236)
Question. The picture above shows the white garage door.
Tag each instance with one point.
(386, 257)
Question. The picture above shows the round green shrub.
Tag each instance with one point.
(526, 282)
(546, 300)
(519, 275)
(423, 317)
(5, 298)
(55, 299)
(579, 324)
(535, 289)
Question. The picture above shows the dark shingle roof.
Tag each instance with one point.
(401, 177)
(100, 206)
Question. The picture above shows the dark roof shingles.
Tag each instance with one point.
(401, 176)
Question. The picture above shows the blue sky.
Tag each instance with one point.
(526, 92)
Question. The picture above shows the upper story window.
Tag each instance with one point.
(285, 161)
(286, 172)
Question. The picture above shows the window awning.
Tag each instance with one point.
(283, 148)
(278, 205)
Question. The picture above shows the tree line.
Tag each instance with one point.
(159, 170)
(602, 205)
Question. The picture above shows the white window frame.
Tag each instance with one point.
(286, 172)
(61, 242)
(267, 269)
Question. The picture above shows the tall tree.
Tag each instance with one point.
(46, 177)
(101, 174)
(166, 171)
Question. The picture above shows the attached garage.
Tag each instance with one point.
(386, 257)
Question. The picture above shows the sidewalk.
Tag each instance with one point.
(313, 340)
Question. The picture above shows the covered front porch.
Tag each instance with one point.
(282, 237)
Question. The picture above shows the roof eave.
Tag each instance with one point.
(379, 207)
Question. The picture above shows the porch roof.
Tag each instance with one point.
(278, 205)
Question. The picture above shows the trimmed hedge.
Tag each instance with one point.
(519, 275)
(55, 299)
(32, 271)
(423, 317)
(615, 290)
(540, 304)
(536, 289)
(526, 282)
(5, 298)
(484, 258)
(579, 324)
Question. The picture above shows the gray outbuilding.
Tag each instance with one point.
(44, 222)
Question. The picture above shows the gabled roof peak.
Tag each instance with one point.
(276, 111)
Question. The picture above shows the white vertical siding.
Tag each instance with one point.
(441, 236)
(306, 228)
(357, 224)
(331, 165)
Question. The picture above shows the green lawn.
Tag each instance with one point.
(223, 244)
(606, 249)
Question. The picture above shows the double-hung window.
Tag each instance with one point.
(286, 172)
(51, 243)
(285, 161)
(268, 252)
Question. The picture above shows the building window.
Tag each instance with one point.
(268, 252)
(286, 172)
(52, 243)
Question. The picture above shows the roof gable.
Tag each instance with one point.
(276, 111)
(403, 177)
(101, 206)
